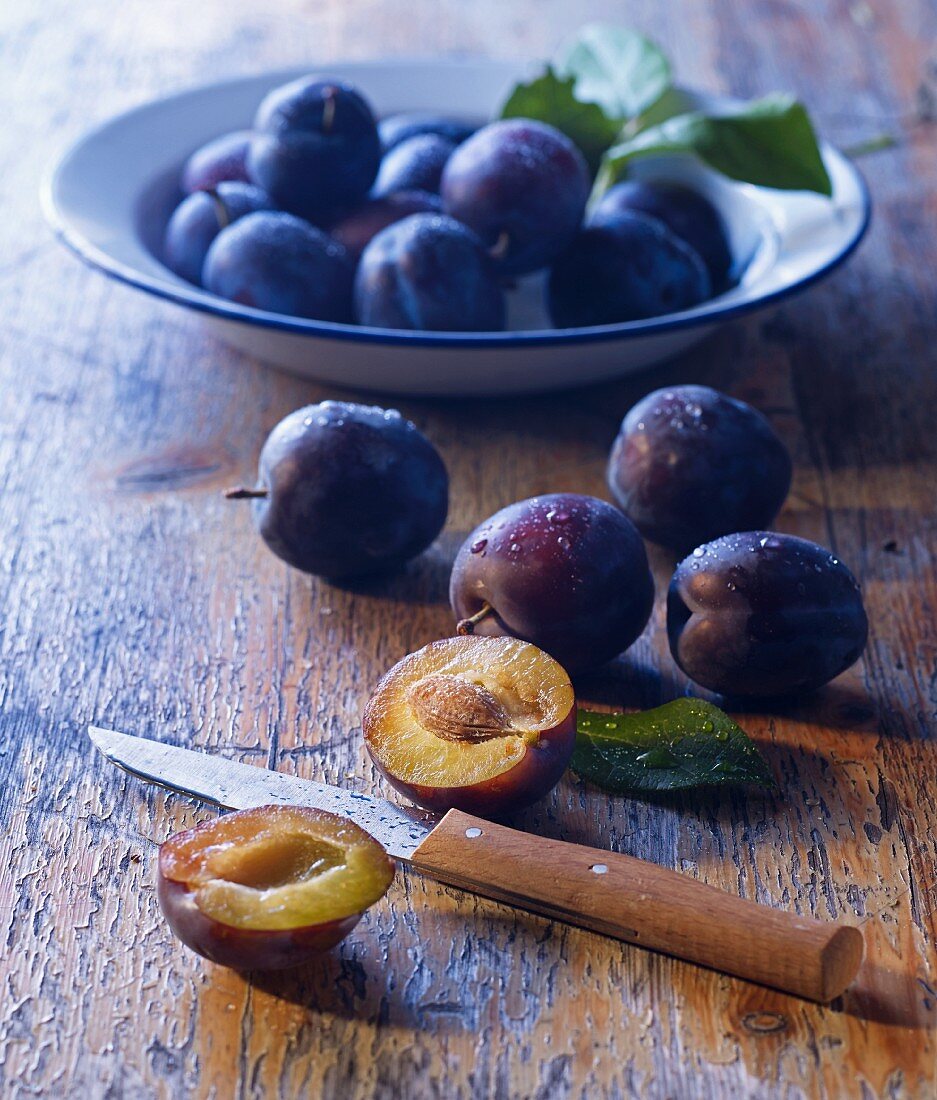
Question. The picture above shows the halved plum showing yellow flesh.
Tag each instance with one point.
(268, 888)
(485, 725)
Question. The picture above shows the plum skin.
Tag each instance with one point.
(685, 212)
(245, 948)
(528, 781)
(522, 187)
(357, 229)
(568, 573)
(764, 614)
(220, 160)
(414, 165)
(351, 490)
(200, 217)
(428, 272)
(398, 128)
(628, 268)
(276, 262)
(316, 148)
(690, 464)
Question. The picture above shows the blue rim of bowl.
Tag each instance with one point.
(703, 316)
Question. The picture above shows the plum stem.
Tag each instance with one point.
(242, 493)
(467, 626)
(328, 110)
(221, 211)
(500, 248)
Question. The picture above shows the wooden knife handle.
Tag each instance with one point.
(644, 904)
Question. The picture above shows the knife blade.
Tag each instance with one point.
(606, 892)
(235, 786)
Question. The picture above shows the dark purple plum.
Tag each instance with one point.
(359, 227)
(568, 573)
(430, 273)
(685, 212)
(198, 220)
(690, 464)
(627, 269)
(522, 186)
(414, 165)
(276, 262)
(395, 129)
(223, 159)
(316, 150)
(346, 490)
(763, 614)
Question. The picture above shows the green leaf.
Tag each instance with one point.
(769, 142)
(620, 70)
(684, 744)
(552, 99)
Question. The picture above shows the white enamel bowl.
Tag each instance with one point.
(111, 194)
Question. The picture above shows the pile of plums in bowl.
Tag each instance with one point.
(420, 222)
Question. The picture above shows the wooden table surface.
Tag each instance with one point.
(133, 595)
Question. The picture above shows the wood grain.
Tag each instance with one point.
(134, 595)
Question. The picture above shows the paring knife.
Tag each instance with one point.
(617, 895)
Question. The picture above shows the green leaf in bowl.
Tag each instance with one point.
(769, 142)
(684, 744)
(552, 99)
(619, 69)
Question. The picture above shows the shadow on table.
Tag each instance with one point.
(354, 989)
(424, 580)
(886, 996)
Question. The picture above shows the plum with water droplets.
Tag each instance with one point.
(398, 128)
(690, 464)
(414, 165)
(568, 573)
(627, 268)
(428, 273)
(685, 212)
(273, 261)
(357, 229)
(764, 614)
(522, 187)
(345, 490)
(198, 220)
(222, 159)
(316, 149)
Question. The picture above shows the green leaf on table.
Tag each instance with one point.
(550, 98)
(619, 69)
(684, 744)
(769, 142)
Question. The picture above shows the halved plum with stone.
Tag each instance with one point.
(625, 269)
(316, 150)
(344, 490)
(485, 725)
(568, 573)
(685, 212)
(271, 887)
(690, 464)
(224, 158)
(522, 187)
(198, 220)
(764, 614)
